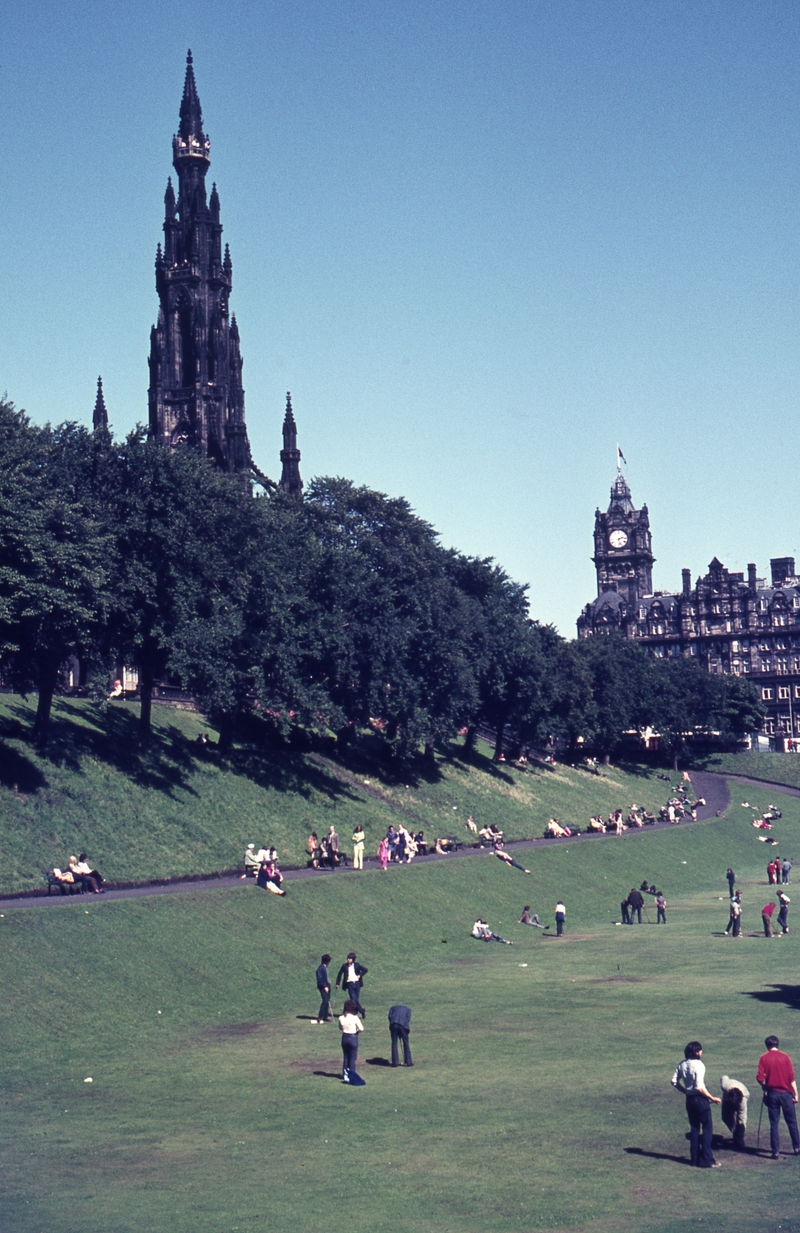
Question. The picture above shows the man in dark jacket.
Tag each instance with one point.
(635, 904)
(399, 1024)
(352, 974)
(324, 986)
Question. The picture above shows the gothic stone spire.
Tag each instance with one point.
(100, 415)
(290, 454)
(196, 393)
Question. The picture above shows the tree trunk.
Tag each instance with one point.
(48, 678)
(227, 727)
(498, 740)
(469, 742)
(146, 676)
(429, 751)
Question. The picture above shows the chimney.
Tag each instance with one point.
(751, 576)
(687, 581)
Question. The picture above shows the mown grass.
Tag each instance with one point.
(769, 767)
(540, 1095)
(179, 809)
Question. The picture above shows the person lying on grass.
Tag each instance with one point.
(503, 856)
(481, 930)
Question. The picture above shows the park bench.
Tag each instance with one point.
(65, 888)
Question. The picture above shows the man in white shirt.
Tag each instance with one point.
(690, 1078)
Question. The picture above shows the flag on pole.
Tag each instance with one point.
(621, 458)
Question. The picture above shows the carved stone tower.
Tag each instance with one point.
(100, 415)
(623, 554)
(290, 454)
(196, 393)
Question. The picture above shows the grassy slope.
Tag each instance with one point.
(536, 1088)
(181, 810)
(770, 767)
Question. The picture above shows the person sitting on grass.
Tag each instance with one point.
(554, 829)
(443, 846)
(503, 856)
(530, 918)
(270, 878)
(481, 930)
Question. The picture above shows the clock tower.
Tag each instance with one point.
(623, 554)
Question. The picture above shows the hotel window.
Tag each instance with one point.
(766, 694)
(735, 648)
(783, 692)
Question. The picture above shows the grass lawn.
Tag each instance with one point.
(179, 809)
(770, 767)
(540, 1096)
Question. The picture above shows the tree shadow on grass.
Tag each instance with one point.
(773, 995)
(18, 772)
(107, 733)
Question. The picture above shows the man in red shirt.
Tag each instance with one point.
(776, 1076)
(766, 918)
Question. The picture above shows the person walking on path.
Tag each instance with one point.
(690, 1078)
(786, 869)
(350, 1025)
(324, 986)
(333, 846)
(399, 1026)
(731, 876)
(783, 914)
(661, 908)
(352, 974)
(635, 903)
(776, 1076)
(561, 916)
(766, 918)
(383, 853)
(358, 847)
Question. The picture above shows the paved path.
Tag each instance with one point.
(712, 787)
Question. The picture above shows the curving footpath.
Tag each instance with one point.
(712, 787)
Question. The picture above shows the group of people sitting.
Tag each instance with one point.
(324, 853)
(79, 873)
(263, 866)
(677, 807)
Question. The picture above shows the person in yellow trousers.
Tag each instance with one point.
(358, 847)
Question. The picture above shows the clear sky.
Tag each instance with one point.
(481, 241)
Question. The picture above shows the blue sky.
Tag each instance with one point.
(481, 242)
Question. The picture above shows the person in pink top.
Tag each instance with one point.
(776, 1076)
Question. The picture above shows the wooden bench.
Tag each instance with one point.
(66, 888)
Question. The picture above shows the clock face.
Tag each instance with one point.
(617, 539)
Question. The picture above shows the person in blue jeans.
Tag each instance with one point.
(324, 987)
(561, 916)
(350, 1026)
(690, 1078)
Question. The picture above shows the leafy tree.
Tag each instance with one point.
(55, 545)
